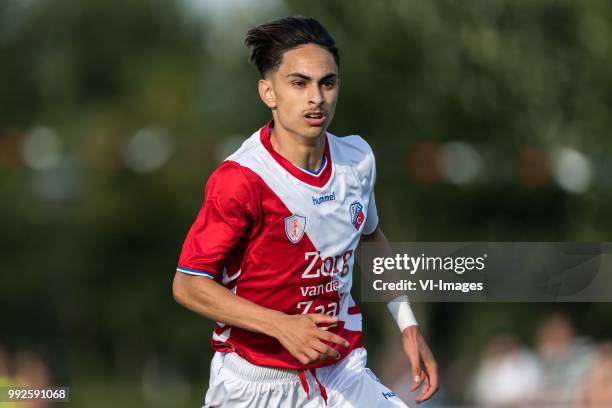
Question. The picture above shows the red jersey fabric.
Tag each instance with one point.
(284, 238)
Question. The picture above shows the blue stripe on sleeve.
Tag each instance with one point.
(195, 272)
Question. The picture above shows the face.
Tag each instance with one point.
(303, 91)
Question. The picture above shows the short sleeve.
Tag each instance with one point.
(372, 213)
(372, 217)
(224, 219)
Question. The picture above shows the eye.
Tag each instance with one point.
(298, 84)
(329, 84)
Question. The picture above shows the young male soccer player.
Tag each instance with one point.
(271, 252)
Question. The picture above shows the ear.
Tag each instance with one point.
(266, 93)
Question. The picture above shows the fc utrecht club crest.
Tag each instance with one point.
(294, 227)
(357, 215)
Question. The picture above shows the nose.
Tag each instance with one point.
(316, 95)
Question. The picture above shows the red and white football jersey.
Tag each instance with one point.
(285, 238)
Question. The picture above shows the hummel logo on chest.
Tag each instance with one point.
(324, 198)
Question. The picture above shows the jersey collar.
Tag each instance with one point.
(318, 180)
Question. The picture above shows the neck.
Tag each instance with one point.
(306, 153)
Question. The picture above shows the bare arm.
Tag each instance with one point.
(424, 366)
(299, 334)
(210, 299)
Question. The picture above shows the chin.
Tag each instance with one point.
(313, 132)
(309, 132)
(317, 129)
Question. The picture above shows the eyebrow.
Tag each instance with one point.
(331, 75)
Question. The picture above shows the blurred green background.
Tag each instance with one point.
(490, 121)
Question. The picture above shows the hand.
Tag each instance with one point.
(300, 336)
(424, 366)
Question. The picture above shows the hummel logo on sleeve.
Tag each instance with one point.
(388, 395)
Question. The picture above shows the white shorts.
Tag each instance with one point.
(234, 382)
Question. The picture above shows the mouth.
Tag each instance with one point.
(315, 118)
